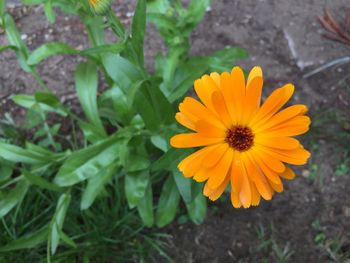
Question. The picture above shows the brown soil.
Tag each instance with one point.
(285, 39)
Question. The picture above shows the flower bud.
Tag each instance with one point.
(100, 7)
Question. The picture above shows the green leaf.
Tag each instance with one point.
(121, 71)
(50, 14)
(138, 29)
(223, 60)
(59, 48)
(6, 170)
(136, 163)
(2, 8)
(168, 203)
(135, 186)
(50, 49)
(44, 153)
(13, 197)
(41, 182)
(197, 209)
(158, 6)
(47, 98)
(123, 111)
(185, 76)
(183, 185)
(19, 155)
(58, 220)
(165, 23)
(160, 142)
(169, 160)
(28, 101)
(95, 185)
(143, 105)
(106, 48)
(91, 132)
(153, 106)
(88, 162)
(86, 82)
(169, 67)
(66, 239)
(3, 48)
(28, 241)
(14, 39)
(145, 207)
(195, 13)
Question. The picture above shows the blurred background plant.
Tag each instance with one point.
(90, 194)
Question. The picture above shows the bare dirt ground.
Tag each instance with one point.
(310, 220)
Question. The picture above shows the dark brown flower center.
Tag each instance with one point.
(240, 138)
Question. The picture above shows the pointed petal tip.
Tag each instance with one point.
(257, 71)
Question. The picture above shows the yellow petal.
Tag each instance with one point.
(201, 175)
(277, 142)
(293, 127)
(236, 174)
(216, 77)
(296, 157)
(257, 176)
(204, 88)
(246, 193)
(273, 163)
(256, 72)
(220, 108)
(236, 203)
(253, 94)
(215, 193)
(184, 121)
(212, 159)
(191, 164)
(217, 173)
(189, 140)
(227, 85)
(195, 111)
(270, 174)
(238, 90)
(277, 187)
(255, 194)
(288, 174)
(272, 104)
(283, 116)
(208, 130)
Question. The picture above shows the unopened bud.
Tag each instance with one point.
(100, 7)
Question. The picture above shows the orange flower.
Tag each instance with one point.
(245, 143)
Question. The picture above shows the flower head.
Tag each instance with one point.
(244, 143)
(100, 7)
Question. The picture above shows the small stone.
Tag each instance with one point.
(129, 14)
(305, 173)
(346, 211)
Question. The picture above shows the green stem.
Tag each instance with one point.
(40, 80)
(116, 26)
(7, 229)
